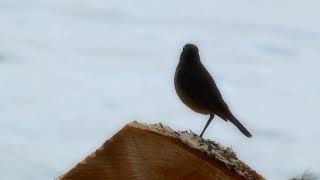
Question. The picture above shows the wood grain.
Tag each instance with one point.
(139, 154)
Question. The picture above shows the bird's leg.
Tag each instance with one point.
(209, 121)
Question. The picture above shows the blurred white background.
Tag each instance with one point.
(72, 73)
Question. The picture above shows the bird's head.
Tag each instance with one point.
(190, 51)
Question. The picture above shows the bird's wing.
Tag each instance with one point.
(200, 86)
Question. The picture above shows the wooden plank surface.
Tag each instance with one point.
(139, 154)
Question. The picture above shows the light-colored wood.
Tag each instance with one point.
(139, 154)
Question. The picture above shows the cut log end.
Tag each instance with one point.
(140, 151)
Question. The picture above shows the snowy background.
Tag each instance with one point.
(72, 73)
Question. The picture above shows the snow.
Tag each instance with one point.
(72, 73)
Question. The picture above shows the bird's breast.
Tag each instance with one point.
(187, 96)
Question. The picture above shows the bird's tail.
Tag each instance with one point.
(235, 121)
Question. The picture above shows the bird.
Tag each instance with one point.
(197, 89)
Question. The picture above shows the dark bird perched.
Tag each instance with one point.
(197, 89)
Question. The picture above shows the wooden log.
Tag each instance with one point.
(156, 152)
